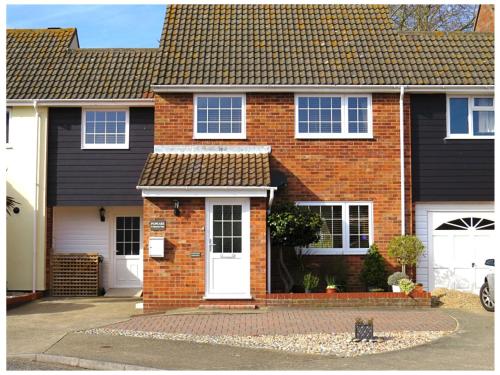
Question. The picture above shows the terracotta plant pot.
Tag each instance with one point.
(331, 290)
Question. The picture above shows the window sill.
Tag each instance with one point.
(219, 136)
(469, 137)
(317, 251)
(106, 147)
(336, 137)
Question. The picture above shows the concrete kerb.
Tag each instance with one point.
(81, 362)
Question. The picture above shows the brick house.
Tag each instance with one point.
(321, 105)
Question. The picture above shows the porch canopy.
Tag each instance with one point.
(207, 171)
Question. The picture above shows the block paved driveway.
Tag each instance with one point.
(290, 321)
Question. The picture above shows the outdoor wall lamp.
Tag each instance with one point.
(177, 211)
(102, 214)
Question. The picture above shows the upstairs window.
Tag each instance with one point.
(471, 117)
(347, 227)
(105, 129)
(219, 117)
(333, 116)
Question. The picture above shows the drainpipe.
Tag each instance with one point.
(268, 242)
(35, 208)
(402, 156)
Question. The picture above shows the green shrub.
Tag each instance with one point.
(330, 281)
(374, 273)
(311, 281)
(406, 286)
(395, 277)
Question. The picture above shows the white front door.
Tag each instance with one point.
(461, 243)
(128, 252)
(228, 248)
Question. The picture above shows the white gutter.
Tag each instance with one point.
(205, 187)
(322, 88)
(35, 208)
(402, 156)
(83, 102)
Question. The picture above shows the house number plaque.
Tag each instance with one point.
(157, 225)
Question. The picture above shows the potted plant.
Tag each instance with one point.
(363, 330)
(331, 287)
(406, 286)
(406, 250)
(419, 287)
(393, 280)
(310, 282)
(374, 274)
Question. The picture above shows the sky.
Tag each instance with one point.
(99, 26)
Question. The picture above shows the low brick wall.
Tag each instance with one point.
(13, 301)
(374, 299)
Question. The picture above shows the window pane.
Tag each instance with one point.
(326, 127)
(225, 115)
(120, 127)
(225, 102)
(236, 245)
(313, 115)
(111, 127)
(202, 115)
(100, 127)
(111, 116)
(89, 127)
(459, 110)
(236, 228)
(100, 116)
(120, 116)
(236, 102)
(213, 127)
(302, 127)
(202, 127)
(110, 139)
(99, 139)
(217, 212)
(326, 115)
(135, 248)
(120, 248)
(359, 228)
(302, 114)
(213, 115)
(202, 102)
(217, 245)
(483, 102)
(227, 245)
(484, 122)
(213, 102)
(313, 102)
(303, 102)
(326, 102)
(353, 115)
(236, 127)
(217, 228)
(314, 127)
(120, 139)
(236, 115)
(90, 116)
(227, 228)
(236, 212)
(227, 212)
(225, 127)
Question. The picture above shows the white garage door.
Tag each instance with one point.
(460, 244)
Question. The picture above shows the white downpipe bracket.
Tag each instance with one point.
(35, 208)
(402, 156)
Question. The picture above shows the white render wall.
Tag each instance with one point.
(80, 230)
(422, 211)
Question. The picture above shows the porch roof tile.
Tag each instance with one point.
(206, 169)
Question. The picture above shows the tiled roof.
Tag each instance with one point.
(206, 170)
(48, 64)
(313, 45)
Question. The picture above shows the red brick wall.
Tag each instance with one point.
(317, 170)
(485, 19)
(178, 279)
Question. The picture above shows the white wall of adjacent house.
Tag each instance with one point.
(26, 152)
(80, 230)
(454, 258)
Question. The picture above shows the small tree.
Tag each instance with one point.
(406, 250)
(374, 273)
(292, 226)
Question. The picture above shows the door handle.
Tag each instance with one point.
(473, 264)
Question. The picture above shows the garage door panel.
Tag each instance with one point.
(463, 250)
(463, 279)
(443, 278)
(443, 250)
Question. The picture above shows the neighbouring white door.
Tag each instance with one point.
(228, 248)
(128, 252)
(461, 243)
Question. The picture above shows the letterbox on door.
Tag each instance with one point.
(156, 246)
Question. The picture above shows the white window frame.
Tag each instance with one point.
(8, 133)
(344, 119)
(470, 118)
(345, 250)
(104, 146)
(241, 135)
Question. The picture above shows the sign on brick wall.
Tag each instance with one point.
(157, 224)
